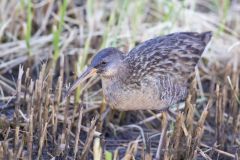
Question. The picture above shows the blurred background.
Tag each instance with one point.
(45, 44)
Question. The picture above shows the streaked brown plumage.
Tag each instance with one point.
(153, 75)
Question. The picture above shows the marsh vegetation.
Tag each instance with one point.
(45, 44)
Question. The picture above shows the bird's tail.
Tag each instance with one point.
(206, 37)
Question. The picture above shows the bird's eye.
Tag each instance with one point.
(103, 62)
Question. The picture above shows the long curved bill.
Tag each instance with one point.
(89, 72)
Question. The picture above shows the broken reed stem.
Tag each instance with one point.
(219, 151)
(190, 105)
(203, 154)
(174, 150)
(46, 110)
(21, 147)
(166, 153)
(39, 99)
(57, 99)
(66, 126)
(41, 141)
(30, 135)
(219, 117)
(131, 150)
(27, 83)
(97, 149)
(7, 153)
(67, 136)
(29, 98)
(89, 139)
(16, 139)
(198, 132)
(66, 109)
(235, 98)
(47, 97)
(17, 107)
(79, 122)
(163, 135)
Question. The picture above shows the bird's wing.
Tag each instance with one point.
(175, 55)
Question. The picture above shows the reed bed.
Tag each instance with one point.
(45, 44)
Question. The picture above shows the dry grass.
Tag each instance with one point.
(45, 44)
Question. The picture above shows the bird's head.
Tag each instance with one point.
(105, 63)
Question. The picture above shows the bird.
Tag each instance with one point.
(154, 75)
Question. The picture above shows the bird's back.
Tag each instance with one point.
(175, 54)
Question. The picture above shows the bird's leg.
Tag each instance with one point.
(163, 134)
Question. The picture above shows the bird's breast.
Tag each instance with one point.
(129, 97)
